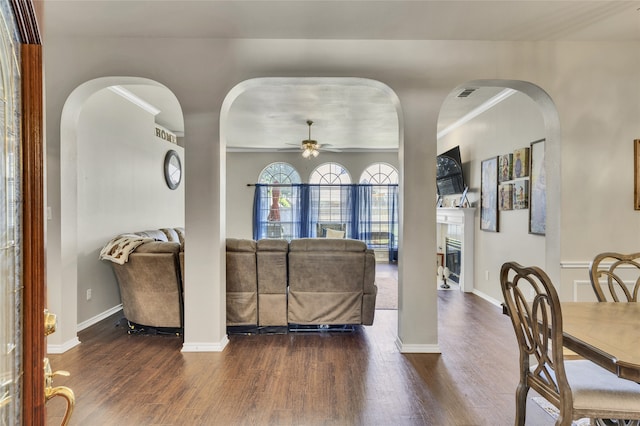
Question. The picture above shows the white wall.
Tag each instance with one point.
(513, 123)
(121, 188)
(245, 168)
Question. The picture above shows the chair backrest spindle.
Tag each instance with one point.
(534, 308)
(615, 277)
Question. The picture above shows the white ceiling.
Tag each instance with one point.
(517, 20)
(345, 115)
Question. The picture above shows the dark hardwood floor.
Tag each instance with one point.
(356, 378)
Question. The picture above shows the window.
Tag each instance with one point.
(366, 211)
(379, 174)
(383, 179)
(282, 200)
(332, 199)
(279, 173)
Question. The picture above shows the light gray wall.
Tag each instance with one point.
(593, 86)
(121, 188)
(245, 168)
(512, 124)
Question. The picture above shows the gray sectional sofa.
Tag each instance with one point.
(270, 282)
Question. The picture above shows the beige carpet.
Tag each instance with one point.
(387, 282)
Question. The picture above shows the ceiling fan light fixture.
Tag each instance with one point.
(309, 146)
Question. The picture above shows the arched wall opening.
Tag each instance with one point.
(253, 158)
(109, 158)
(518, 114)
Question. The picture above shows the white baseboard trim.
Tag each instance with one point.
(205, 347)
(60, 349)
(98, 318)
(488, 298)
(417, 349)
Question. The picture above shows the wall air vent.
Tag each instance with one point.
(466, 92)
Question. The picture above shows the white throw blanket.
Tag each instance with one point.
(118, 249)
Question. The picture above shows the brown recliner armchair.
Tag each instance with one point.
(331, 282)
(150, 283)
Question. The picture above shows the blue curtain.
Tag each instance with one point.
(258, 198)
(299, 209)
(362, 213)
(393, 222)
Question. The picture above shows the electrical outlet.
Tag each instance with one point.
(89, 294)
(486, 275)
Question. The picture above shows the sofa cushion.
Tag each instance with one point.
(159, 247)
(270, 244)
(171, 234)
(237, 244)
(156, 234)
(181, 235)
(327, 244)
(332, 233)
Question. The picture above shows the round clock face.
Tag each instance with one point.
(172, 169)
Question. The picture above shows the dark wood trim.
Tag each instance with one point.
(26, 21)
(33, 246)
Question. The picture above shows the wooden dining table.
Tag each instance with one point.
(606, 333)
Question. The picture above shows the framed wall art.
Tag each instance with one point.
(489, 195)
(520, 194)
(505, 196)
(537, 190)
(506, 167)
(520, 163)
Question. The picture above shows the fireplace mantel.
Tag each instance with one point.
(459, 223)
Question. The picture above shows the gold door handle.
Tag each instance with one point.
(49, 390)
(49, 323)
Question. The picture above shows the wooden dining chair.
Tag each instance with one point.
(579, 389)
(615, 277)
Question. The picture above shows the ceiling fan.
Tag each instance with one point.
(310, 147)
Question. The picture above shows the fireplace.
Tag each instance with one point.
(454, 239)
(453, 257)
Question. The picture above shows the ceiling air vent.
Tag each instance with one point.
(466, 92)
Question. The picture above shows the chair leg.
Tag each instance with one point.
(521, 403)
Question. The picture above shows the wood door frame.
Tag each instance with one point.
(33, 214)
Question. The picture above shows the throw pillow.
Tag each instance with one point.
(332, 233)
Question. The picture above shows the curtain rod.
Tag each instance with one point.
(322, 184)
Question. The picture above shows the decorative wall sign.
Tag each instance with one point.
(165, 134)
(489, 195)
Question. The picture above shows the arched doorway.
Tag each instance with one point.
(489, 118)
(109, 122)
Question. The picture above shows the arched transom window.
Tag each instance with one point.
(279, 173)
(379, 174)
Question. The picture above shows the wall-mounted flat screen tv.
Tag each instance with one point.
(449, 176)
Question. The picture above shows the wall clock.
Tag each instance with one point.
(172, 169)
